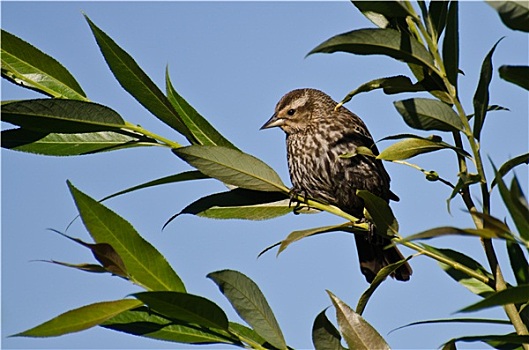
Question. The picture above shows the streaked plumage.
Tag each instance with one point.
(317, 136)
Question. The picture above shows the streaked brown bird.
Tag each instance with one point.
(317, 135)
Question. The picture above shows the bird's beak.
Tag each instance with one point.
(273, 122)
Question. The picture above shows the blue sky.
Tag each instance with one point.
(233, 61)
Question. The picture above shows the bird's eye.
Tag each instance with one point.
(291, 111)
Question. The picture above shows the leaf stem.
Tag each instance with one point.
(138, 129)
(363, 225)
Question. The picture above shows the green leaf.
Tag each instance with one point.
(27, 66)
(519, 264)
(185, 307)
(386, 8)
(240, 204)
(472, 284)
(518, 75)
(185, 176)
(202, 130)
(437, 10)
(56, 144)
(298, 235)
(429, 114)
(232, 167)
(513, 295)
(456, 320)
(142, 322)
(448, 230)
(145, 265)
(358, 334)
(250, 304)
(495, 224)
(414, 146)
(380, 213)
(481, 96)
(519, 202)
(61, 116)
(80, 319)
(504, 342)
(514, 201)
(134, 80)
(514, 14)
(390, 85)
(377, 281)
(324, 335)
(490, 109)
(248, 336)
(388, 42)
(451, 44)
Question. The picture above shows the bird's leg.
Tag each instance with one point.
(371, 236)
(294, 193)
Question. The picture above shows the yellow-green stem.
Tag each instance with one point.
(140, 130)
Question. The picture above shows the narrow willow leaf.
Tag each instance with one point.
(388, 42)
(481, 96)
(250, 304)
(380, 213)
(240, 204)
(519, 264)
(377, 281)
(390, 85)
(61, 116)
(134, 80)
(456, 320)
(448, 231)
(232, 167)
(518, 75)
(248, 336)
(185, 176)
(56, 144)
(105, 254)
(386, 8)
(358, 334)
(80, 319)
(475, 286)
(298, 235)
(451, 44)
(429, 114)
(437, 10)
(142, 322)
(492, 223)
(505, 342)
(83, 267)
(520, 203)
(185, 307)
(27, 66)
(202, 130)
(450, 345)
(518, 212)
(512, 295)
(490, 109)
(514, 14)
(415, 146)
(145, 265)
(324, 335)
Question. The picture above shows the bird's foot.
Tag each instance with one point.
(294, 200)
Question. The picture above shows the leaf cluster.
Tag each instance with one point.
(426, 41)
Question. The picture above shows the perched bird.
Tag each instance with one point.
(316, 136)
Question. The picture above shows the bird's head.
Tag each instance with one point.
(298, 109)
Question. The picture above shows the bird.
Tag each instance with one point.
(318, 135)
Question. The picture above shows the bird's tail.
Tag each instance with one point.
(373, 257)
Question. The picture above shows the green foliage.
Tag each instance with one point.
(69, 124)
